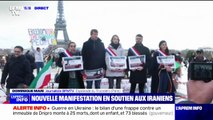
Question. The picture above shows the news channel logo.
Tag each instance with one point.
(16, 98)
(16, 10)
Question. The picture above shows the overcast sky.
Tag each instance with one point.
(184, 25)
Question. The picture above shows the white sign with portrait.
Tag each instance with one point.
(166, 60)
(117, 62)
(136, 61)
(73, 63)
(95, 74)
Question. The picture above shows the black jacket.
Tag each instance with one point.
(64, 76)
(93, 53)
(31, 60)
(19, 71)
(140, 76)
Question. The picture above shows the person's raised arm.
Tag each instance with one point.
(33, 49)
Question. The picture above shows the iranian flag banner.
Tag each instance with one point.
(43, 77)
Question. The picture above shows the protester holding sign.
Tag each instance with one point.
(39, 58)
(115, 50)
(139, 75)
(93, 53)
(161, 74)
(69, 79)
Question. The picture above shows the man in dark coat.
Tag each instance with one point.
(93, 53)
(19, 71)
(139, 75)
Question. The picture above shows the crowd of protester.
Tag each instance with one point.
(19, 67)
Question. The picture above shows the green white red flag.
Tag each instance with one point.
(43, 77)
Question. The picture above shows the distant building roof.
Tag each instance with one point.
(206, 49)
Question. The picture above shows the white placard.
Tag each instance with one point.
(136, 61)
(95, 74)
(42, 37)
(72, 63)
(117, 62)
(166, 60)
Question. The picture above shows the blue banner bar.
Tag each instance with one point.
(194, 112)
(89, 98)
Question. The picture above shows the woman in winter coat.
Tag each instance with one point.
(161, 75)
(70, 79)
(114, 49)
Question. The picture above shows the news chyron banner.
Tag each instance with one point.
(87, 104)
(92, 104)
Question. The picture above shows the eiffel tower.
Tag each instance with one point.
(60, 25)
